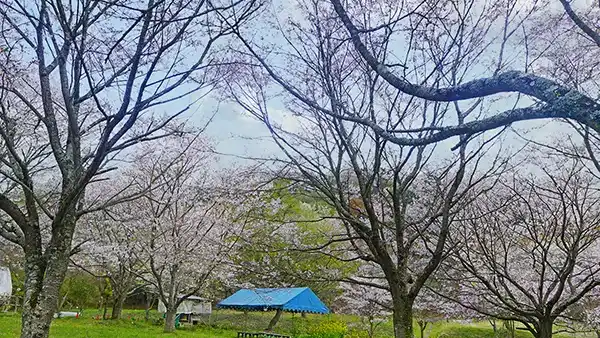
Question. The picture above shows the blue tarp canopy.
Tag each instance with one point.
(286, 299)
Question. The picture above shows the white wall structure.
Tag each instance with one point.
(5, 284)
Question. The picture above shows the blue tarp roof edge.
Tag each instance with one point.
(306, 301)
(287, 299)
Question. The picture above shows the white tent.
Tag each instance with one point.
(192, 305)
(5, 283)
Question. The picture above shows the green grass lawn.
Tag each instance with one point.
(225, 324)
(133, 326)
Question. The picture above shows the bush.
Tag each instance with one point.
(356, 332)
(79, 290)
(329, 328)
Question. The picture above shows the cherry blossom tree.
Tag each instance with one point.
(395, 205)
(109, 251)
(373, 305)
(589, 315)
(582, 317)
(528, 252)
(430, 308)
(80, 82)
(183, 225)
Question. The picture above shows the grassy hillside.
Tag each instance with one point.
(225, 324)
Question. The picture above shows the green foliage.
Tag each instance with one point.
(329, 327)
(105, 288)
(80, 290)
(356, 333)
(18, 283)
(270, 257)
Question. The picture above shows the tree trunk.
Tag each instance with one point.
(63, 301)
(44, 275)
(170, 320)
(35, 323)
(17, 303)
(371, 326)
(117, 309)
(40, 304)
(493, 324)
(510, 327)
(422, 327)
(545, 329)
(274, 320)
(403, 318)
(149, 303)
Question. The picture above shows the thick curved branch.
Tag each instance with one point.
(11, 233)
(513, 81)
(585, 116)
(12, 210)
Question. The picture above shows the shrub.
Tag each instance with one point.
(79, 290)
(329, 328)
(356, 332)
